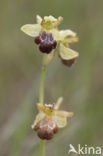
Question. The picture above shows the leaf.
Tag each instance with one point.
(32, 30)
(39, 117)
(67, 53)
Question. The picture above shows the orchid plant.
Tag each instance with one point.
(51, 40)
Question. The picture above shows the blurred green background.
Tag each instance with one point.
(20, 66)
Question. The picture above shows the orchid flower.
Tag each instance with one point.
(51, 40)
(50, 119)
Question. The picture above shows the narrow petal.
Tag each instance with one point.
(38, 19)
(60, 19)
(72, 39)
(60, 121)
(67, 33)
(68, 36)
(67, 53)
(58, 103)
(39, 117)
(32, 30)
(63, 114)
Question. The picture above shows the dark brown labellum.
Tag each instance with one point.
(37, 40)
(69, 63)
(50, 37)
(43, 35)
(45, 47)
(46, 128)
(45, 133)
(54, 44)
(46, 41)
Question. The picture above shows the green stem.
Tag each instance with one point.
(41, 96)
(41, 100)
(42, 148)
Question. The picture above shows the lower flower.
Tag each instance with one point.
(50, 119)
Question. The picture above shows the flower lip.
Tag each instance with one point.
(46, 128)
(43, 36)
(45, 47)
(45, 134)
(50, 37)
(37, 40)
(46, 41)
(54, 44)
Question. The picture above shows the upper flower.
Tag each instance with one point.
(50, 39)
(49, 119)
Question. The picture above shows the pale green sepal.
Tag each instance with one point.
(60, 121)
(39, 117)
(32, 30)
(66, 53)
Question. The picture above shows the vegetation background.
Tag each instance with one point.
(20, 66)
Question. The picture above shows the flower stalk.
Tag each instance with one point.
(42, 148)
(41, 96)
(41, 100)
